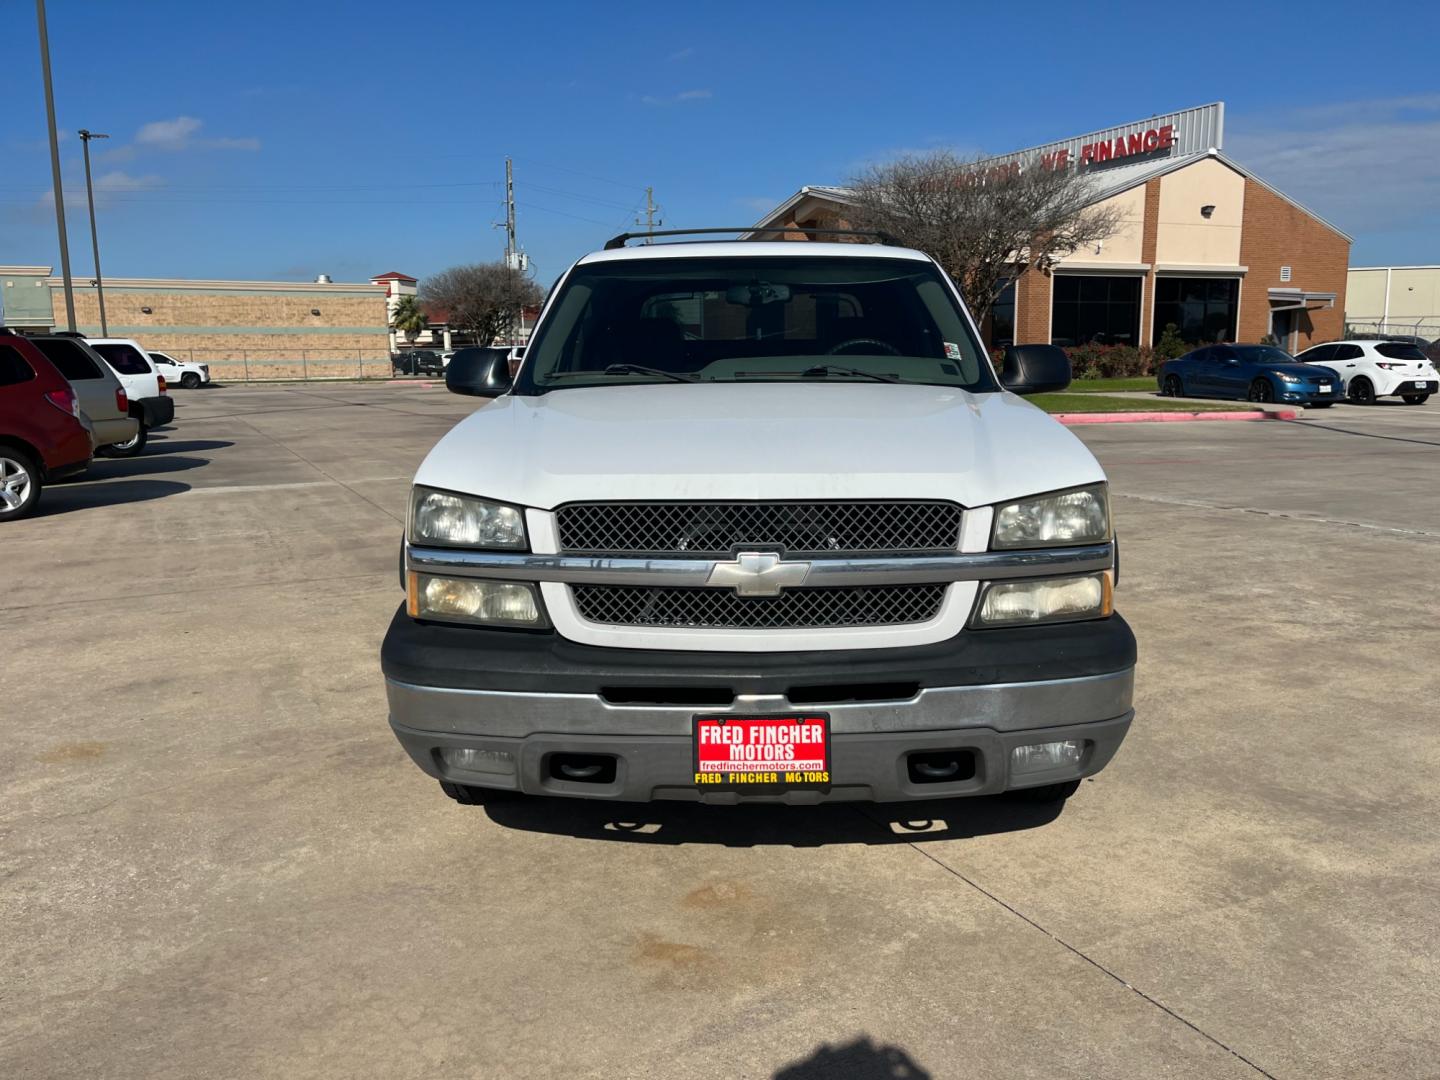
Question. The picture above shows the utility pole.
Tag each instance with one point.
(510, 250)
(55, 166)
(85, 137)
(650, 209)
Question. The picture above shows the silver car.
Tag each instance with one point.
(102, 398)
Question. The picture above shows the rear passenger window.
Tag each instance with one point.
(1399, 350)
(69, 358)
(14, 368)
(1348, 352)
(123, 358)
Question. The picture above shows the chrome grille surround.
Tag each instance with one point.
(724, 609)
(795, 528)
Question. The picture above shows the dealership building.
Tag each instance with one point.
(1202, 242)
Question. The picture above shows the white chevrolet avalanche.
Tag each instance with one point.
(758, 522)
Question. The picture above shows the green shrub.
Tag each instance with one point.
(1091, 361)
(1170, 345)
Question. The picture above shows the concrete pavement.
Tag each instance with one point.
(215, 861)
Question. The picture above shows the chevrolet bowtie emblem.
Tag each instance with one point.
(758, 573)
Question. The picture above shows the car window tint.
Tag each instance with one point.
(1399, 350)
(123, 358)
(14, 368)
(1316, 355)
(70, 358)
(1348, 352)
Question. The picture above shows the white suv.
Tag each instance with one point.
(1376, 369)
(184, 372)
(758, 521)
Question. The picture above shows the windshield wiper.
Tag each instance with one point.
(624, 369)
(820, 370)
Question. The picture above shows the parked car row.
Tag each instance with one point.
(1358, 371)
(65, 398)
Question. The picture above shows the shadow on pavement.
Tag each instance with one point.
(64, 498)
(771, 824)
(859, 1059)
(102, 469)
(161, 445)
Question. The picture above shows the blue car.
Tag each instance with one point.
(1249, 372)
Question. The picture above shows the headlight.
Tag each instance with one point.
(1081, 516)
(470, 600)
(1287, 378)
(450, 520)
(1067, 599)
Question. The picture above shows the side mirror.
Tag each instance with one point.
(478, 373)
(1035, 369)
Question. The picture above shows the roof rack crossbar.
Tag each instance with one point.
(619, 241)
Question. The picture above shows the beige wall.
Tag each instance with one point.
(1365, 294)
(1415, 294)
(1124, 245)
(1414, 299)
(1183, 236)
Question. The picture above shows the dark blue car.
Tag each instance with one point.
(1250, 372)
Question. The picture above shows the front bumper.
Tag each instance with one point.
(1306, 395)
(523, 698)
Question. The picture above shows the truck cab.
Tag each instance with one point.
(759, 522)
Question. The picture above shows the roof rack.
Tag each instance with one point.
(619, 241)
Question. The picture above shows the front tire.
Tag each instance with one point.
(466, 795)
(1261, 390)
(130, 447)
(1415, 399)
(20, 484)
(1047, 793)
(1362, 391)
(189, 380)
(1173, 387)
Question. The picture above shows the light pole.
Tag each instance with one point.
(55, 165)
(85, 137)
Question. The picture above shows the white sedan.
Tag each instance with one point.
(180, 372)
(1376, 369)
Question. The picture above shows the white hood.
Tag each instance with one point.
(758, 441)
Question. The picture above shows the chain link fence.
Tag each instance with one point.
(303, 365)
(1426, 327)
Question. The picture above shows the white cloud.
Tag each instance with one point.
(680, 98)
(168, 134)
(179, 134)
(1367, 166)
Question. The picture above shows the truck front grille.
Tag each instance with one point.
(721, 528)
(724, 609)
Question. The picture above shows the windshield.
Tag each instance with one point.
(1262, 354)
(787, 318)
(123, 358)
(1399, 350)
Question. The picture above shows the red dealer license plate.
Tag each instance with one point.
(756, 753)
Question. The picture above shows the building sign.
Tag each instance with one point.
(1189, 131)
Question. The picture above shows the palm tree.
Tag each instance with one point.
(409, 318)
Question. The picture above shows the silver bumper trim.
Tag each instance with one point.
(1000, 706)
(897, 570)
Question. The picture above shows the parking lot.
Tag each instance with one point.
(215, 860)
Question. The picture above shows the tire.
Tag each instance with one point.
(1261, 390)
(1362, 391)
(189, 380)
(130, 448)
(1415, 399)
(1048, 793)
(1173, 387)
(20, 483)
(466, 795)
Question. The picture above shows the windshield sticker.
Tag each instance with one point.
(952, 350)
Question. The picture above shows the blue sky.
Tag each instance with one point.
(277, 141)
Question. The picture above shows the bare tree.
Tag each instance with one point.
(984, 223)
(483, 298)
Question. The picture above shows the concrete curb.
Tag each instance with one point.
(1073, 419)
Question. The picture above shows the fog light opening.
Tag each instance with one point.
(940, 766)
(1042, 757)
(472, 759)
(583, 768)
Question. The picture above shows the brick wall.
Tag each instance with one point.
(1149, 241)
(242, 334)
(1032, 308)
(1277, 233)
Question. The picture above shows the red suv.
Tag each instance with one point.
(43, 435)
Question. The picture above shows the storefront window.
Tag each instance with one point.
(1104, 310)
(1203, 308)
(1002, 318)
